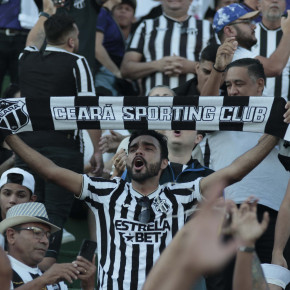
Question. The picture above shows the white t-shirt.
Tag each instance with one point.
(27, 274)
(268, 181)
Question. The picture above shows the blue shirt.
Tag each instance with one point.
(113, 39)
(9, 15)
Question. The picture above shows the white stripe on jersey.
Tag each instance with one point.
(269, 45)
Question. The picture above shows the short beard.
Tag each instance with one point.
(151, 171)
(245, 43)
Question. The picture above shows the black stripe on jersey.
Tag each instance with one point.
(124, 212)
(88, 75)
(167, 46)
(149, 258)
(100, 192)
(231, 126)
(183, 46)
(132, 102)
(263, 44)
(118, 192)
(174, 204)
(89, 102)
(78, 78)
(135, 267)
(39, 114)
(278, 79)
(151, 48)
(199, 38)
(206, 156)
(186, 125)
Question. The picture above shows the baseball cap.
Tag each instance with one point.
(230, 13)
(131, 3)
(19, 176)
(28, 212)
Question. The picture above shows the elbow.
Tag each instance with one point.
(125, 72)
(274, 71)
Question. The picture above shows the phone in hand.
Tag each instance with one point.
(87, 249)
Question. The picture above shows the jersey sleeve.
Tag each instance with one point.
(84, 78)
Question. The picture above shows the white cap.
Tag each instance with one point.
(25, 178)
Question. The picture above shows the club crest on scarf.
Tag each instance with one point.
(12, 115)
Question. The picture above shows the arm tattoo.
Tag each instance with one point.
(259, 281)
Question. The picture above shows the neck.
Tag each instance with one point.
(271, 25)
(181, 157)
(147, 187)
(126, 31)
(61, 46)
(177, 16)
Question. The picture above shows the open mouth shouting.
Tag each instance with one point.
(177, 133)
(138, 163)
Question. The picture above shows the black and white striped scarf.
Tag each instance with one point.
(250, 114)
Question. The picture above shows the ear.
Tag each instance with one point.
(229, 31)
(71, 42)
(10, 236)
(33, 197)
(261, 85)
(198, 138)
(164, 163)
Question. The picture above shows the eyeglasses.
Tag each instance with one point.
(37, 232)
(145, 215)
(246, 21)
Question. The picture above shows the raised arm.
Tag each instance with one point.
(224, 57)
(36, 35)
(282, 230)
(275, 64)
(46, 168)
(241, 166)
(248, 273)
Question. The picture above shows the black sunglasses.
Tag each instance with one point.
(145, 215)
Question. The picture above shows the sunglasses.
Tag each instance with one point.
(145, 215)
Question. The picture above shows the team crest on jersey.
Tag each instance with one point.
(12, 115)
(160, 205)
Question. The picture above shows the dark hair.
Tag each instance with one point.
(11, 91)
(57, 27)
(209, 52)
(160, 137)
(254, 66)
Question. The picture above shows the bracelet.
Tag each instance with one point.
(220, 71)
(247, 249)
(44, 14)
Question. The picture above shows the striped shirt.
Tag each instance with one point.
(54, 72)
(127, 248)
(268, 40)
(163, 36)
(23, 274)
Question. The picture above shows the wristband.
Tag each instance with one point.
(44, 14)
(220, 71)
(247, 249)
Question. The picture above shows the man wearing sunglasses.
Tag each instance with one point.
(234, 21)
(136, 221)
(28, 231)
